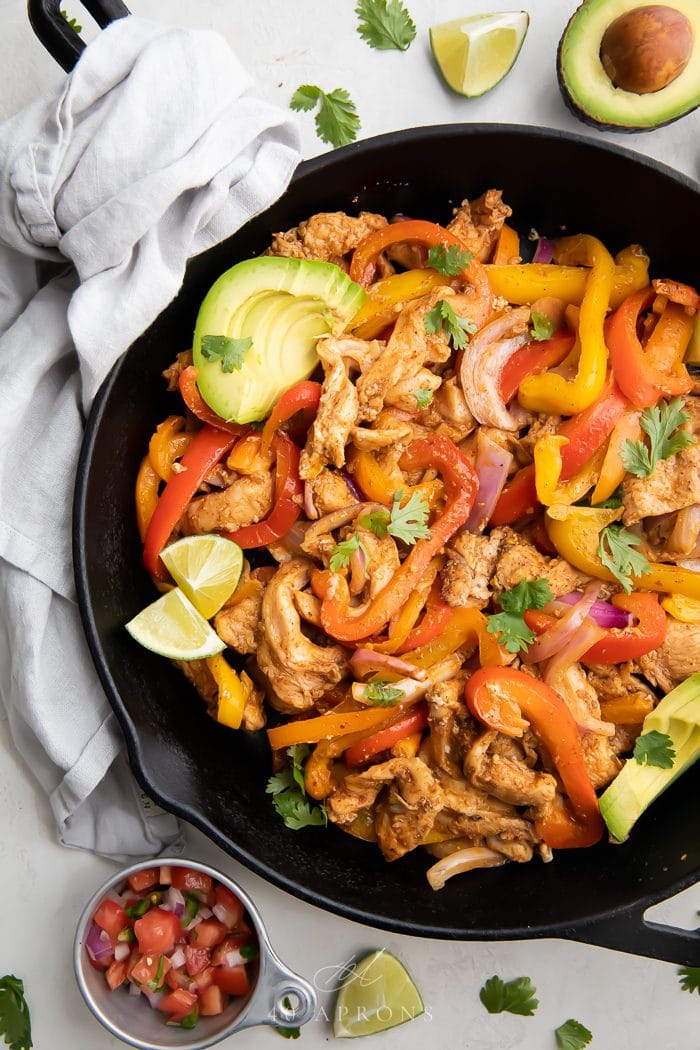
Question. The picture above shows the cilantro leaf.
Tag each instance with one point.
(572, 1035)
(526, 595)
(382, 693)
(616, 550)
(408, 523)
(377, 522)
(231, 352)
(690, 978)
(442, 318)
(509, 624)
(513, 632)
(289, 793)
(655, 749)
(342, 552)
(337, 121)
(662, 424)
(541, 327)
(72, 22)
(423, 397)
(385, 25)
(288, 1033)
(448, 260)
(299, 754)
(513, 997)
(614, 501)
(15, 1024)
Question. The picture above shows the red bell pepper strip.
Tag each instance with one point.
(636, 375)
(534, 358)
(198, 406)
(461, 485)
(364, 259)
(500, 697)
(437, 613)
(518, 498)
(412, 722)
(306, 394)
(287, 505)
(208, 447)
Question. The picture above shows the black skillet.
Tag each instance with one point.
(215, 778)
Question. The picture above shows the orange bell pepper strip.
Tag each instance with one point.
(626, 710)
(612, 471)
(286, 508)
(304, 395)
(386, 297)
(379, 487)
(464, 626)
(328, 726)
(364, 259)
(507, 249)
(147, 482)
(167, 444)
(198, 406)
(401, 626)
(667, 345)
(461, 484)
(636, 375)
(500, 697)
(532, 359)
(412, 722)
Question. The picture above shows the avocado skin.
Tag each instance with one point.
(583, 114)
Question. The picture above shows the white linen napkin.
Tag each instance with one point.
(152, 152)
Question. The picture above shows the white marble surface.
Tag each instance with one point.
(629, 1003)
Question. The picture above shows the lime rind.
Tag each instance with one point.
(377, 995)
(172, 627)
(475, 53)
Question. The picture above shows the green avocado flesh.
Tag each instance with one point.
(587, 88)
(636, 786)
(285, 306)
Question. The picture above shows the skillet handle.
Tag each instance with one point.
(630, 932)
(59, 38)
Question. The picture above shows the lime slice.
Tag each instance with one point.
(475, 53)
(207, 568)
(172, 627)
(377, 995)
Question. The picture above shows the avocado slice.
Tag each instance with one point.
(285, 306)
(636, 786)
(627, 65)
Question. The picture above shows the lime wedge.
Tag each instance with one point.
(377, 995)
(172, 627)
(475, 53)
(207, 568)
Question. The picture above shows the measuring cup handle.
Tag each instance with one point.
(276, 987)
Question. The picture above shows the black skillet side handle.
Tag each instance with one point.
(628, 931)
(58, 36)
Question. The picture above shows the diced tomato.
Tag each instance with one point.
(204, 979)
(101, 964)
(116, 974)
(179, 1003)
(191, 881)
(111, 918)
(146, 968)
(157, 931)
(210, 932)
(196, 959)
(231, 904)
(212, 1001)
(234, 981)
(178, 979)
(231, 944)
(143, 880)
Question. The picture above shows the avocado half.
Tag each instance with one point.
(590, 93)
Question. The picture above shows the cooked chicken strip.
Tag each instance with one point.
(329, 492)
(676, 658)
(478, 224)
(336, 415)
(674, 484)
(471, 561)
(327, 236)
(237, 624)
(197, 672)
(173, 372)
(505, 775)
(469, 811)
(245, 501)
(519, 560)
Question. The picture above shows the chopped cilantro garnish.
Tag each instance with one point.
(383, 694)
(343, 551)
(655, 749)
(661, 423)
(449, 260)
(616, 550)
(442, 318)
(289, 793)
(509, 625)
(541, 327)
(231, 352)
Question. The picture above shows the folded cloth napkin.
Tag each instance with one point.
(152, 152)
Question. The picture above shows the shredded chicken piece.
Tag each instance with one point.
(197, 672)
(308, 606)
(674, 484)
(452, 728)
(469, 811)
(602, 763)
(327, 236)
(540, 426)
(471, 561)
(448, 413)
(478, 224)
(245, 501)
(519, 560)
(237, 623)
(677, 657)
(336, 415)
(172, 373)
(520, 852)
(501, 771)
(387, 431)
(297, 672)
(615, 681)
(329, 492)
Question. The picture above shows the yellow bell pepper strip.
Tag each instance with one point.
(550, 392)
(575, 532)
(408, 746)
(387, 296)
(460, 481)
(548, 468)
(524, 284)
(612, 470)
(379, 487)
(234, 691)
(507, 250)
(466, 625)
(686, 610)
(167, 444)
(147, 482)
(328, 726)
(627, 710)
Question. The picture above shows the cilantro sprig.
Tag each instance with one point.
(509, 625)
(407, 522)
(690, 978)
(513, 997)
(289, 793)
(655, 749)
(385, 25)
(572, 1035)
(15, 1023)
(442, 318)
(337, 121)
(541, 327)
(617, 552)
(662, 424)
(449, 260)
(231, 352)
(382, 693)
(343, 551)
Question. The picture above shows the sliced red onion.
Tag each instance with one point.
(492, 466)
(221, 913)
(544, 252)
(358, 571)
(309, 507)
(97, 947)
(166, 876)
(400, 217)
(563, 632)
(177, 959)
(134, 989)
(482, 364)
(366, 661)
(175, 901)
(353, 488)
(122, 950)
(558, 673)
(412, 688)
(604, 614)
(233, 958)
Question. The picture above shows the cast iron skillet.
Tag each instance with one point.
(215, 778)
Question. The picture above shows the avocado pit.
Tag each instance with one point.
(647, 48)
